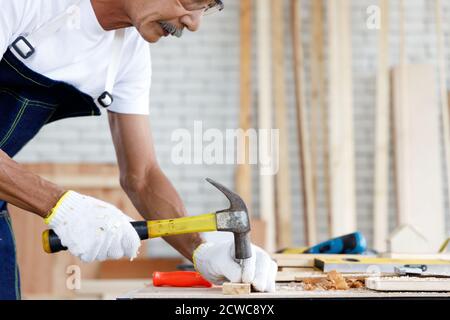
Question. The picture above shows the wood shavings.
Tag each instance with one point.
(337, 280)
(333, 281)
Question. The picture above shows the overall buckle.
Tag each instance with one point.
(23, 47)
(105, 99)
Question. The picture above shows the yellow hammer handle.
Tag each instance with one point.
(171, 227)
(148, 229)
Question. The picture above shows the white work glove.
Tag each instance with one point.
(92, 229)
(216, 262)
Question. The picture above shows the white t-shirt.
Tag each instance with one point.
(80, 56)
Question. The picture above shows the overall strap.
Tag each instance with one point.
(25, 46)
(106, 98)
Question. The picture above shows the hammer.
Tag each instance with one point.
(235, 219)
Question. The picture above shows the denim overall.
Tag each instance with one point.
(28, 101)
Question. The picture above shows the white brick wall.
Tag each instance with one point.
(197, 78)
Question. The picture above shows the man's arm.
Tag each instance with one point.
(25, 189)
(142, 179)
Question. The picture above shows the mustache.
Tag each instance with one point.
(170, 28)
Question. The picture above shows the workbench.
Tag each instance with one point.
(283, 292)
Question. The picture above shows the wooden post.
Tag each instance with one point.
(283, 185)
(445, 116)
(382, 127)
(266, 187)
(342, 163)
(243, 172)
(309, 207)
(318, 101)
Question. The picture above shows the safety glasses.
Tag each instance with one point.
(208, 6)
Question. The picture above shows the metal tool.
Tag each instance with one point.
(419, 271)
(354, 243)
(235, 219)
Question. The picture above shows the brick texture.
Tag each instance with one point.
(197, 78)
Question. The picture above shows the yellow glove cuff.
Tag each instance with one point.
(193, 257)
(52, 212)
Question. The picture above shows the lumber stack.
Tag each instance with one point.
(359, 272)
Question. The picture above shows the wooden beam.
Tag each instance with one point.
(229, 288)
(283, 184)
(382, 127)
(317, 71)
(445, 114)
(309, 207)
(266, 179)
(342, 162)
(243, 171)
(318, 104)
(408, 284)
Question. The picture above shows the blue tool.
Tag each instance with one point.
(353, 243)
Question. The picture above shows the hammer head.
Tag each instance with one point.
(235, 219)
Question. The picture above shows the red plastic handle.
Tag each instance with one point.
(180, 279)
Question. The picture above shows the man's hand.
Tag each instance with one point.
(217, 263)
(92, 229)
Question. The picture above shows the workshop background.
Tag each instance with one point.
(197, 78)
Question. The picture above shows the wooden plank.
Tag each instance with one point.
(342, 163)
(445, 114)
(289, 276)
(258, 232)
(243, 171)
(305, 260)
(408, 284)
(142, 268)
(377, 265)
(318, 103)
(229, 288)
(108, 289)
(322, 275)
(309, 207)
(407, 239)
(283, 184)
(317, 83)
(266, 180)
(294, 269)
(418, 177)
(382, 128)
(283, 292)
(432, 256)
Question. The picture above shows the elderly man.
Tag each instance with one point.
(63, 59)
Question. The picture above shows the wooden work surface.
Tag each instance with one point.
(284, 292)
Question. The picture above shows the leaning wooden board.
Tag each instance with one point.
(382, 125)
(265, 106)
(309, 204)
(283, 292)
(244, 170)
(283, 185)
(341, 125)
(418, 161)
